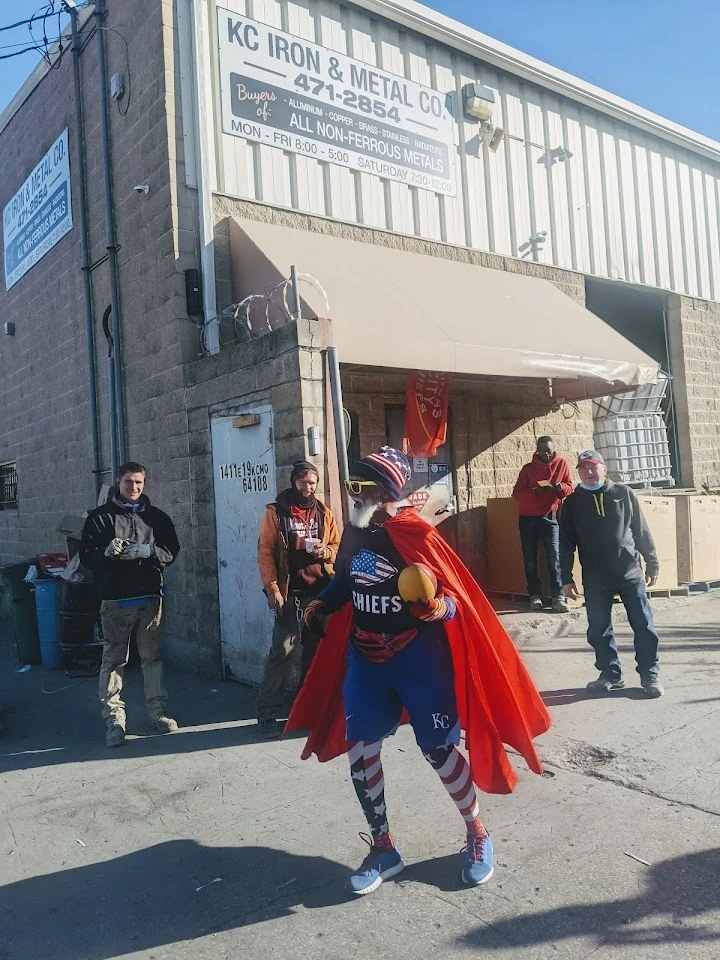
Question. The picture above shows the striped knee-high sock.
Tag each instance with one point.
(454, 771)
(369, 782)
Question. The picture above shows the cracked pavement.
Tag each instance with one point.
(207, 844)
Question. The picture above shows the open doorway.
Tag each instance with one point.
(640, 315)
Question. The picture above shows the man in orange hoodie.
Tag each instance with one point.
(540, 489)
(297, 546)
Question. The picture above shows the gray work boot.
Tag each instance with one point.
(269, 729)
(164, 724)
(115, 734)
(605, 683)
(652, 686)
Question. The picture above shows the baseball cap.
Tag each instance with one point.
(590, 456)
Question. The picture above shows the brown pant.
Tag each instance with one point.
(118, 625)
(290, 656)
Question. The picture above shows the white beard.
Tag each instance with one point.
(360, 514)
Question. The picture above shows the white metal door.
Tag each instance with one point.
(244, 480)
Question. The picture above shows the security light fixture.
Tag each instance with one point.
(478, 101)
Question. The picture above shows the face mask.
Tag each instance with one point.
(593, 489)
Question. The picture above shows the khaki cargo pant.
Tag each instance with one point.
(118, 624)
(291, 654)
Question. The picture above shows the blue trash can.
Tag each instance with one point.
(47, 604)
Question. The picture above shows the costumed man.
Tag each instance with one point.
(444, 663)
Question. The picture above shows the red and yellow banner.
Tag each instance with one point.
(426, 412)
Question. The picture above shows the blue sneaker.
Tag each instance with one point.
(478, 861)
(380, 864)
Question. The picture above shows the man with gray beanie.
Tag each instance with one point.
(604, 522)
(297, 545)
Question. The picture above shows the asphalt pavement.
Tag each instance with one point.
(209, 845)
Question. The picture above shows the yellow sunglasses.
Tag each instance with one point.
(355, 486)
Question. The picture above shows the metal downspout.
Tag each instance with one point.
(110, 240)
(85, 246)
(338, 415)
(204, 126)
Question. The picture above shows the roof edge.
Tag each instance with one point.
(452, 33)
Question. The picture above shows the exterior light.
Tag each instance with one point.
(478, 101)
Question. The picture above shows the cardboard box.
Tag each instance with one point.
(661, 516)
(506, 570)
(71, 526)
(698, 538)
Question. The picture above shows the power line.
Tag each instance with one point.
(22, 23)
(17, 53)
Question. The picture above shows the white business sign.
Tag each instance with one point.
(286, 92)
(39, 214)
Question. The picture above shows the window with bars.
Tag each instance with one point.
(8, 486)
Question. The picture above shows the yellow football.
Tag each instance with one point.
(417, 582)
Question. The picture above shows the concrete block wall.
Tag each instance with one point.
(694, 347)
(266, 370)
(44, 385)
(494, 428)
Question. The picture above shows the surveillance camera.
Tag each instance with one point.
(142, 188)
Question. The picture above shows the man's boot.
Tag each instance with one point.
(163, 724)
(115, 734)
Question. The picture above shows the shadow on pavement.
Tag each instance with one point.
(50, 718)
(677, 892)
(150, 899)
(561, 698)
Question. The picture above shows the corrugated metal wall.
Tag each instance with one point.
(625, 206)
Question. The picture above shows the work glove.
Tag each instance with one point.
(115, 547)
(136, 551)
(314, 610)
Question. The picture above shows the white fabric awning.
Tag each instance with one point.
(394, 308)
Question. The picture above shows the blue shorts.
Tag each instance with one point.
(420, 678)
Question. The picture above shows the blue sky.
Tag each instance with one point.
(661, 54)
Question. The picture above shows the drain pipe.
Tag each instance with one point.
(338, 414)
(111, 395)
(204, 132)
(85, 247)
(110, 239)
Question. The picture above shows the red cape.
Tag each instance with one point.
(497, 701)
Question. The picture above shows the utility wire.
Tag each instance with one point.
(23, 23)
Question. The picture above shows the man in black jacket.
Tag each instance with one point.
(127, 544)
(604, 521)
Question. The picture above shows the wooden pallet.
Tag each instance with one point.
(685, 590)
(703, 586)
(682, 591)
